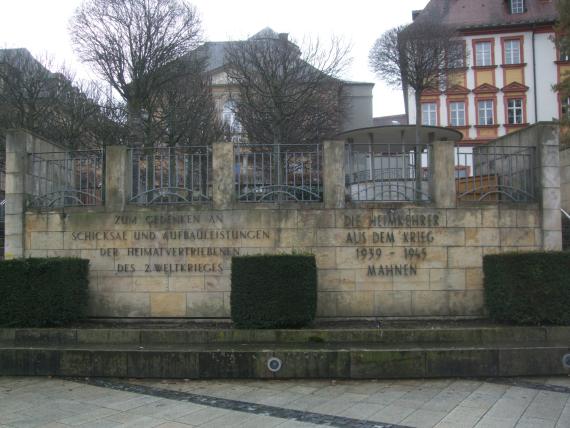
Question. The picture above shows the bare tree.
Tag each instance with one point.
(130, 43)
(56, 105)
(285, 95)
(419, 56)
(28, 90)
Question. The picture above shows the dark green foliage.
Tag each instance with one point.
(273, 291)
(528, 288)
(39, 292)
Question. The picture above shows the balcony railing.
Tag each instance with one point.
(64, 179)
(171, 175)
(387, 173)
(495, 173)
(279, 173)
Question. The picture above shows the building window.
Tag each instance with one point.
(515, 111)
(457, 55)
(483, 53)
(485, 112)
(457, 113)
(512, 52)
(517, 6)
(229, 117)
(564, 54)
(429, 114)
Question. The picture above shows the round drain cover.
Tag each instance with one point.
(274, 364)
(566, 361)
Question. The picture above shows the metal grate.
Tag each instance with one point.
(279, 173)
(171, 175)
(495, 173)
(387, 172)
(63, 179)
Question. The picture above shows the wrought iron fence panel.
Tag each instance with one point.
(387, 172)
(278, 173)
(171, 175)
(64, 179)
(495, 173)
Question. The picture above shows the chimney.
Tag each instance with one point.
(284, 37)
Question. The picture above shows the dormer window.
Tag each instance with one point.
(516, 6)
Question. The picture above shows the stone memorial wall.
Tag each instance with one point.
(374, 260)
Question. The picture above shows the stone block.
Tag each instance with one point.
(206, 305)
(528, 218)
(552, 240)
(463, 363)
(551, 219)
(474, 278)
(148, 364)
(168, 304)
(463, 217)
(336, 280)
(327, 303)
(294, 238)
(47, 240)
(133, 305)
(550, 176)
(490, 216)
(430, 303)
(187, 283)
(325, 257)
(393, 303)
(311, 219)
(387, 364)
(482, 237)
(355, 304)
(453, 237)
(115, 283)
(516, 237)
(465, 257)
(447, 279)
(152, 284)
(420, 281)
(551, 198)
(466, 303)
(507, 217)
(218, 282)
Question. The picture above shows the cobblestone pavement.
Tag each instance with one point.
(456, 403)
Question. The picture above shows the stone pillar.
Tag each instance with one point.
(16, 169)
(549, 179)
(223, 185)
(333, 174)
(442, 165)
(117, 178)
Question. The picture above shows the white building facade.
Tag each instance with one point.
(511, 65)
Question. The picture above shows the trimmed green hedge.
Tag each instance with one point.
(273, 291)
(39, 292)
(528, 288)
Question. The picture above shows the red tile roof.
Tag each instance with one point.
(467, 14)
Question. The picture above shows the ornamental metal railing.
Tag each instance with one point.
(278, 173)
(65, 179)
(387, 172)
(496, 173)
(171, 175)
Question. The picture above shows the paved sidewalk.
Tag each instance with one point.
(523, 403)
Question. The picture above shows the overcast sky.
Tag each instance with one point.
(41, 26)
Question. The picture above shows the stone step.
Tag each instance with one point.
(342, 361)
(472, 336)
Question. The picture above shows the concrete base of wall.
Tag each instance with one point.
(348, 354)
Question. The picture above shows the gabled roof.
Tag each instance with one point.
(473, 14)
